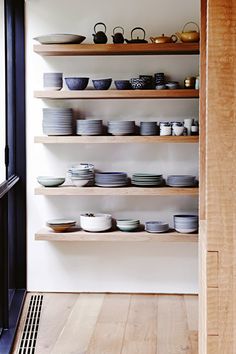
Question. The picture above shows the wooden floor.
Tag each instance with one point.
(116, 324)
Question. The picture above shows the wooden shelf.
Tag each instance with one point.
(113, 236)
(117, 49)
(117, 94)
(124, 191)
(115, 139)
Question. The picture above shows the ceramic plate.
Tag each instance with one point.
(60, 39)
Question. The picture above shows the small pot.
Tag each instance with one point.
(118, 37)
(100, 36)
(137, 40)
(164, 39)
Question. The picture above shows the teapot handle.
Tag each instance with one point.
(188, 23)
(100, 23)
(120, 28)
(174, 38)
(138, 28)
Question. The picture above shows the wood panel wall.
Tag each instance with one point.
(218, 213)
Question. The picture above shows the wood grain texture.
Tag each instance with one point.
(116, 139)
(117, 49)
(212, 311)
(113, 236)
(117, 94)
(125, 191)
(212, 269)
(115, 324)
(220, 162)
(172, 327)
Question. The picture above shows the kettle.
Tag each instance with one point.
(118, 37)
(189, 36)
(137, 40)
(100, 36)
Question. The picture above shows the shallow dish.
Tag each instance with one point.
(59, 38)
(60, 225)
(50, 181)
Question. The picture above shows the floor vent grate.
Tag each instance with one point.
(29, 336)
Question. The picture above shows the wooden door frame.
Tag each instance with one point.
(217, 308)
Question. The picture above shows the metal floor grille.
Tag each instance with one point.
(29, 336)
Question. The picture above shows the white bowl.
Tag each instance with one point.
(96, 223)
(186, 231)
(79, 182)
(178, 130)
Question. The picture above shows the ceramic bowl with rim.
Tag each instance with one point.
(127, 224)
(96, 222)
(77, 83)
(48, 181)
(102, 84)
(60, 38)
(60, 225)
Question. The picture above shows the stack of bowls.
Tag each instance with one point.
(57, 121)
(148, 128)
(186, 223)
(147, 180)
(111, 179)
(60, 225)
(95, 222)
(89, 127)
(121, 127)
(156, 226)
(127, 225)
(81, 175)
(181, 181)
(160, 81)
(52, 81)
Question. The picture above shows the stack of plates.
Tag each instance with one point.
(147, 179)
(121, 127)
(181, 181)
(111, 179)
(156, 226)
(89, 127)
(81, 174)
(60, 225)
(57, 121)
(52, 81)
(127, 224)
(148, 128)
(186, 223)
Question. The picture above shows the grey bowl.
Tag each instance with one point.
(102, 84)
(50, 181)
(122, 84)
(77, 83)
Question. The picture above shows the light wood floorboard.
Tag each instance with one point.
(115, 324)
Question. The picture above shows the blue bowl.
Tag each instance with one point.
(77, 83)
(102, 84)
(122, 84)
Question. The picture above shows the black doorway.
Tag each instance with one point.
(13, 189)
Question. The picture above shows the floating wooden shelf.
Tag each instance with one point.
(115, 139)
(114, 236)
(117, 49)
(124, 191)
(117, 94)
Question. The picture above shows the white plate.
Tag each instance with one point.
(60, 38)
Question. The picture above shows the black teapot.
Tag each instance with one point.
(118, 37)
(100, 36)
(137, 40)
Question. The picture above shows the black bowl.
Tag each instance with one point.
(122, 84)
(102, 84)
(77, 83)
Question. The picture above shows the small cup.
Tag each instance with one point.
(178, 130)
(52, 81)
(165, 130)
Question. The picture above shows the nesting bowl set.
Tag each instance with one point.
(81, 174)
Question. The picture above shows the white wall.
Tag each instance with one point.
(128, 267)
